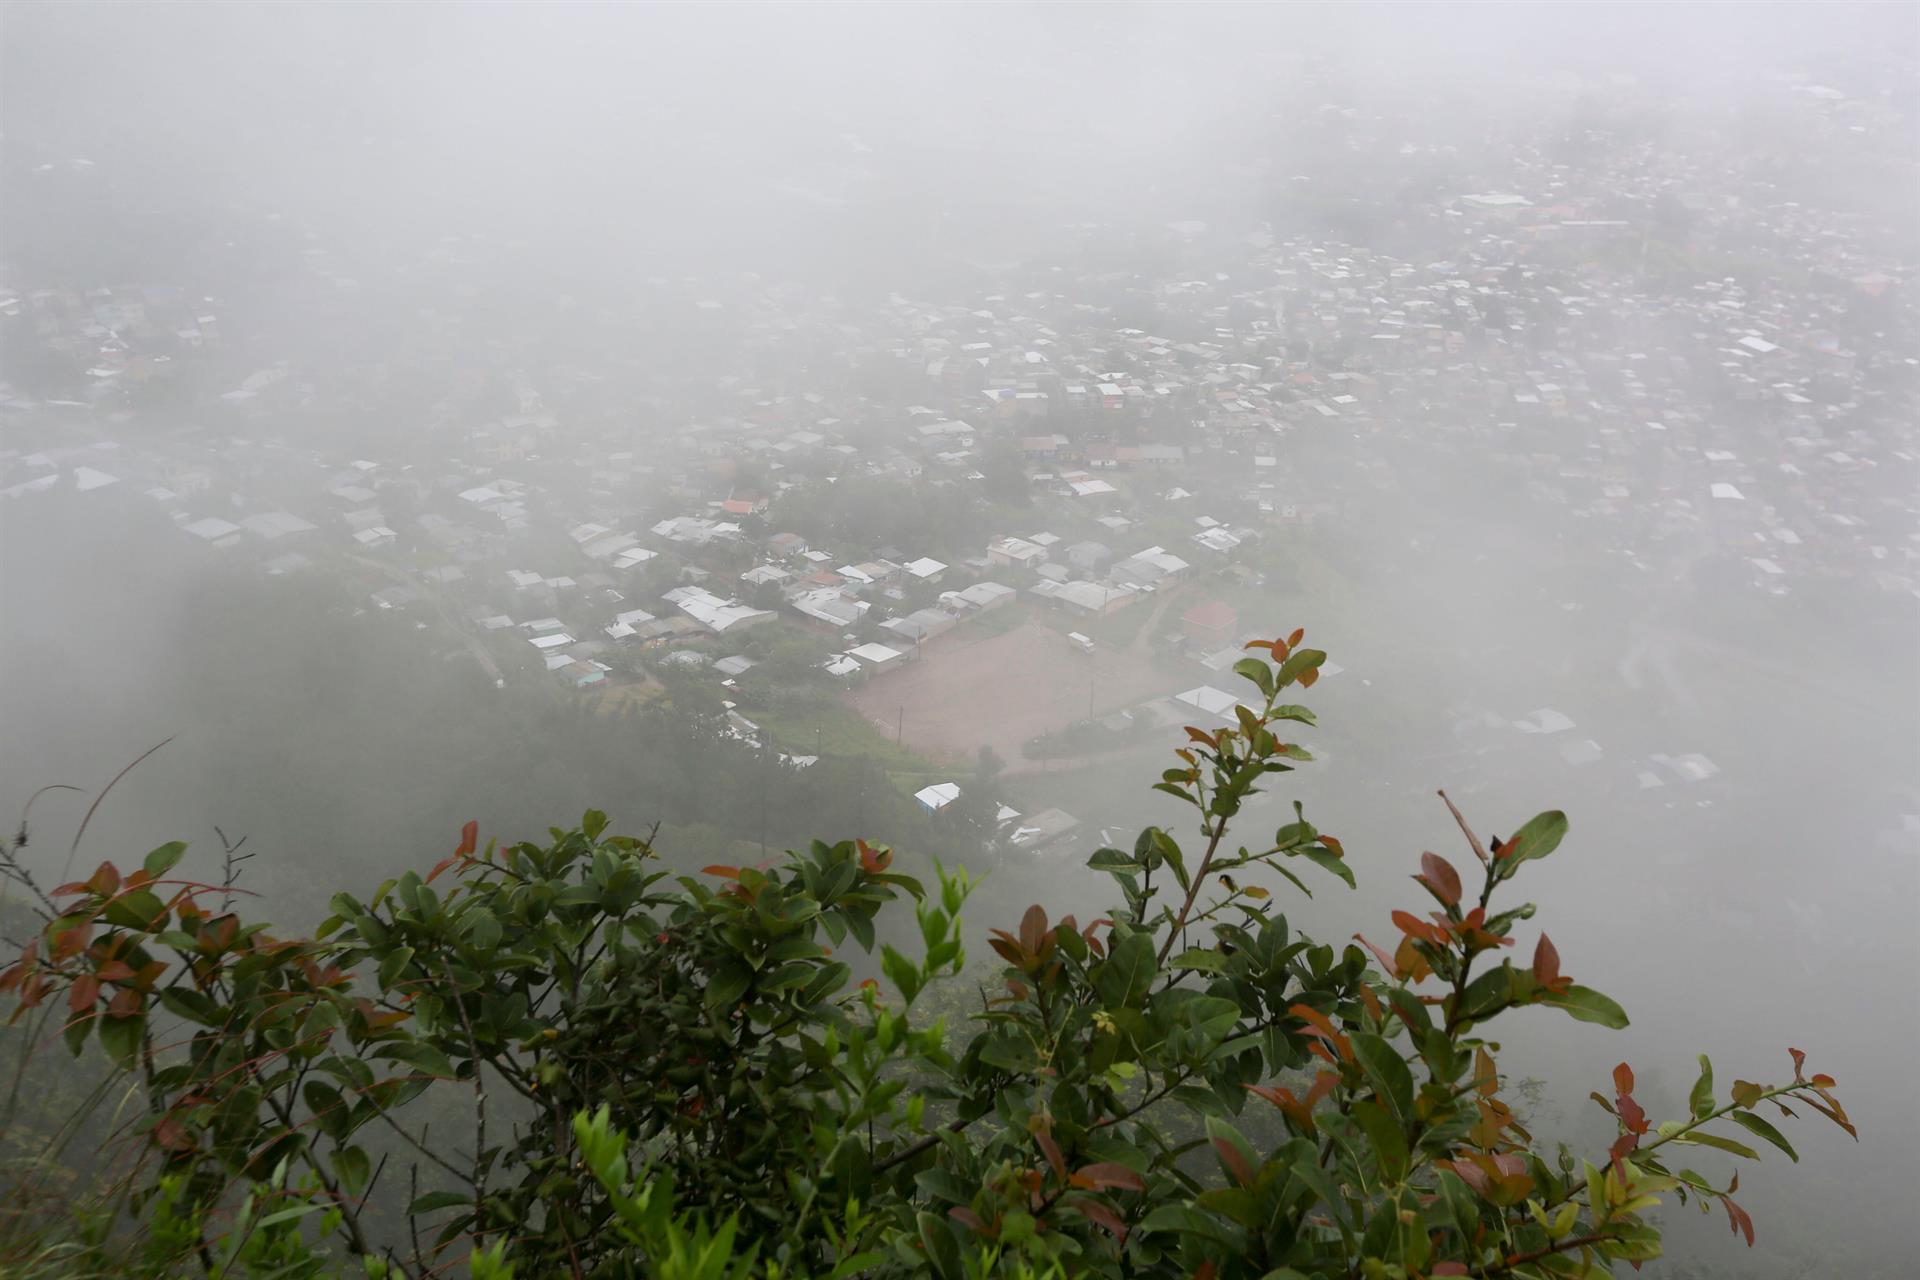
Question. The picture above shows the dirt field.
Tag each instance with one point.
(1001, 690)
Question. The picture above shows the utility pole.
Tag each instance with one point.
(900, 725)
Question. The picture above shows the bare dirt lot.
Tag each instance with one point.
(1001, 690)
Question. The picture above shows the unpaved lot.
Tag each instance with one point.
(1001, 690)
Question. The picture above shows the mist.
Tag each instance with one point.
(1554, 366)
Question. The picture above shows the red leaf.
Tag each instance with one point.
(105, 881)
(71, 941)
(442, 865)
(1309, 677)
(125, 1003)
(1799, 1060)
(1822, 1082)
(1106, 1174)
(469, 839)
(1623, 1079)
(1098, 1214)
(1235, 1162)
(1299, 634)
(1053, 1153)
(1033, 928)
(1439, 876)
(83, 993)
(172, 1135)
(967, 1218)
(1449, 1269)
(1205, 1270)
(1742, 1224)
(1546, 962)
(873, 858)
(1391, 969)
(729, 873)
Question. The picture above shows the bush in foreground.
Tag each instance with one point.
(559, 1059)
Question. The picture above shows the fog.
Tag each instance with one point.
(1554, 366)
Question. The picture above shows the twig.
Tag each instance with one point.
(74, 848)
(479, 1179)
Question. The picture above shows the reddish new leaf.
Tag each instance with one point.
(1100, 1215)
(1546, 962)
(1440, 878)
(83, 993)
(1799, 1061)
(1106, 1174)
(1235, 1162)
(1033, 928)
(1053, 1153)
(1623, 1079)
(1742, 1224)
(469, 839)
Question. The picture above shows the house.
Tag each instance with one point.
(221, 533)
(877, 657)
(921, 625)
(1038, 830)
(1089, 557)
(938, 796)
(1211, 623)
(786, 545)
(925, 569)
(1210, 701)
(830, 605)
(1016, 552)
(715, 614)
(1149, 567)
(765, 575)
(983, 596)
(1085, 597)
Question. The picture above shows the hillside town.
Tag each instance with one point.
(1057, 503)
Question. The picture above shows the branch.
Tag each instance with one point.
(66, 871)
(1520, 1259)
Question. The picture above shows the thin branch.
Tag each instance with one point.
(74, 848)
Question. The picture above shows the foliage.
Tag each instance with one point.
(679, 1076)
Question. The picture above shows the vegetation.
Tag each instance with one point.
(557, 1058)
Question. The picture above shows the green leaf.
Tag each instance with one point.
(592, 823)
(329, 1112)
(1540, 837)
(1301, 662)
(1258, 672)
(135, 910)
(727, 986)
(483, 930)
(1326, 860)
(943, 1252)
(1200, 959)
(1123, 978)
(1388, 1071)
(162, 860)
(120, 1037)
(192, 1005)
(1701, 1101)
(423, 1058)
(1587, 1005)
(1701, 1138)
(1755, 1125)
(350, 1164)
(1292, 711)
(435, 1200)
(1389, 1142)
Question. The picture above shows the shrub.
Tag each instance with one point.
(557, 1058)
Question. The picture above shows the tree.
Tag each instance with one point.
(654, 1075)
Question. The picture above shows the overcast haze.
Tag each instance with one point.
(1554, 366)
